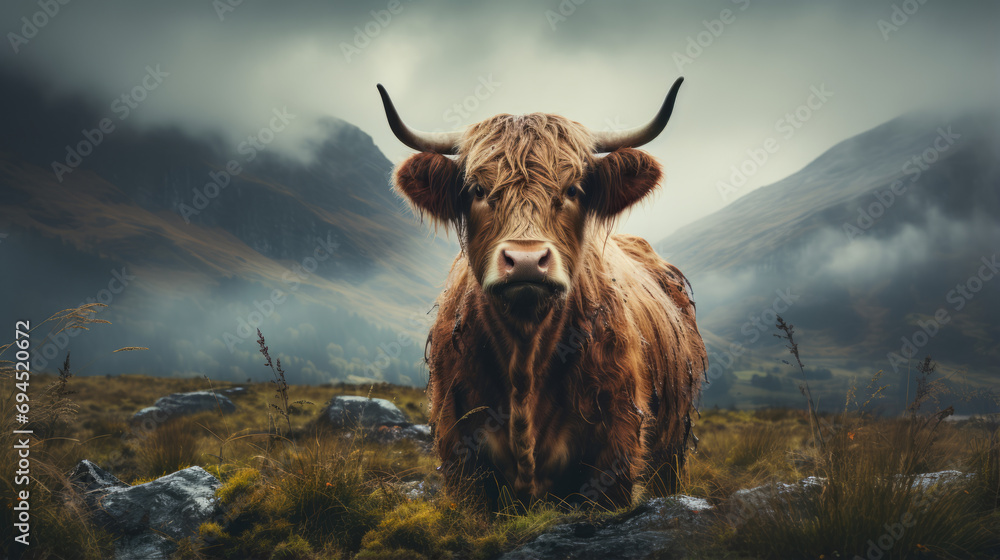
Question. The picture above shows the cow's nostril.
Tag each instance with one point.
(508, 260)
(543, 263)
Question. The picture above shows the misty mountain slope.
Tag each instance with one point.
(773, 216)
(868, 241)
(354, 270)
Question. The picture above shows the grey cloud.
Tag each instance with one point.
(606, 62)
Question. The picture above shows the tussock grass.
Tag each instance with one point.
(292, 491)
(984, 462)
(866, 499)
(765, 443)
(169, 448)
(59, 527)
(873, 503)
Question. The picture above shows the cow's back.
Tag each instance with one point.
(660, 304)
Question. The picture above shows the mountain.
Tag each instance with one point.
(884, 244)
(881, 251)
(193, 245)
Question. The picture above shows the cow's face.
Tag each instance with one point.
(523, 195)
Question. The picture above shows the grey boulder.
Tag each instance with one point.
(235, 392)
(93, 482)
(149, 518)
(354, 412)
(181, 404)
(657, 529)
(748, 502)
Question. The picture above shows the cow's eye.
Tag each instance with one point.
(572, 192)
(479, 191)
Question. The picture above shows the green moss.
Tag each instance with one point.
(293, 548)
(412, 526)
(240, 483)
(396, 554)
(212, 531)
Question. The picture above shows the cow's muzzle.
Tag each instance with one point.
(527, 278)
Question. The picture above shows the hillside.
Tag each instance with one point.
(867, 243)
(353, 269)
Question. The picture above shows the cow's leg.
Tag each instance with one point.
(666, 443)
(662, 477)
(618, 458)
(467, 453)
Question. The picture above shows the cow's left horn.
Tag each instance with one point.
(633, 138)
(440, 142)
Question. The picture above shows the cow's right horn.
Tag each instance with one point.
(441, 142)
(633, 138)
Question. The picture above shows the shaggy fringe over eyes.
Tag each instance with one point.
(506, 153)
(524, 162)
(551, 151)
(546, 150)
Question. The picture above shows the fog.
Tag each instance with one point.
(751, 71)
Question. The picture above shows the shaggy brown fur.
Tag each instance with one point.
(596, 392)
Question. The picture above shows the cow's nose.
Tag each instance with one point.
(524, 266)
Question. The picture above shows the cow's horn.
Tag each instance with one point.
(633, 138)
(440, 142)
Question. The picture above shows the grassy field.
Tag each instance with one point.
(295, 492)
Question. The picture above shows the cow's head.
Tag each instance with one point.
(524, 193)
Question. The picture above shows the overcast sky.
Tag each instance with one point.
(605, 64)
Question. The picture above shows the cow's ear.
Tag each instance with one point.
(620, 179)
(431, 183)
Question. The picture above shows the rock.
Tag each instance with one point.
(419, 434)
(366, 413)
(657, 529)
(752, 500)
(88, 477)
(418, 431)
(388, 434)
(181, 404)
(929, 480)
(93, 482)
(235, 392)
(747, 502)
(151, 517)
(419, 489)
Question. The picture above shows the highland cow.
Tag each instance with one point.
(564, 360)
